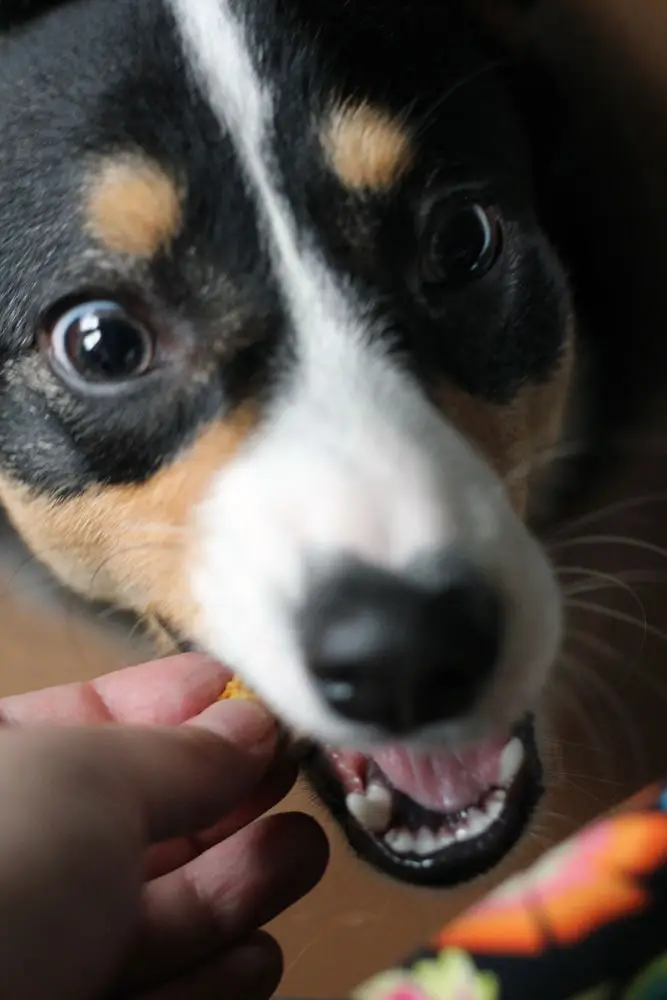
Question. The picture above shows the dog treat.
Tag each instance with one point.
(237, 689)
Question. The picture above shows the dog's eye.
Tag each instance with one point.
(100, 342)
(461, 244)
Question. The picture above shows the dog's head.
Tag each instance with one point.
(281, 343)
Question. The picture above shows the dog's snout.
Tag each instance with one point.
(390, 653)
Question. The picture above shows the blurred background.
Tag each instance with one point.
(608, 703)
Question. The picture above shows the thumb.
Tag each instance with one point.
(77, 808)
(171, 781)
(185, 779)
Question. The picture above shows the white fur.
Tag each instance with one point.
(353, 460)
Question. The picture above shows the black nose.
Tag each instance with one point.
(384, 651)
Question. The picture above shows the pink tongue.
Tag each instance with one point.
(443, 781)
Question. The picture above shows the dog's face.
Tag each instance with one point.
(280, 348)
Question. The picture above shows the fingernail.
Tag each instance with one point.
(246, 724)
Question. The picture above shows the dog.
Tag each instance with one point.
(283, 345)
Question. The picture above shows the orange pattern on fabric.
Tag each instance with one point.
(587, 882)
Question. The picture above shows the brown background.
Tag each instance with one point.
(607, 703)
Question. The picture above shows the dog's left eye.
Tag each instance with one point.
(99, 342)
(461, 243)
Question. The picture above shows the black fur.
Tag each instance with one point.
(82, 80)
(104, 76)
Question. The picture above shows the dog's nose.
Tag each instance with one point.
(384, 651)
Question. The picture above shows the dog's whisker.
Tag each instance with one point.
(577, 745)
(620, 541)
(608, 510)
(591, 575)
(565, 705)
(574, 570)
(597, 581)
(594, 643)
(620, 616)
(631, 665)
(538, 833)
(29, 578)
(137, 628)
(568, 782)
(579, 672)
(125, 550)
(640, 674)
(589, 777)
(590, 587)
(102, 564)
(629, 576)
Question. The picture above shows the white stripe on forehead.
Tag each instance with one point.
(217, 47)
(354, 461)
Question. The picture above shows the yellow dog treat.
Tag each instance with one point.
(237, 689)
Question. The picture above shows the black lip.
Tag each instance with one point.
(458, 863)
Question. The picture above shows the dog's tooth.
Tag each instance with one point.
(371, 809)
(473, 826)
(480, 820)
(425, 842)
(511, 761)
(495, 805)
(382, 800)
(444, 839)
(390, 838)
(359, 806)
(400, 841)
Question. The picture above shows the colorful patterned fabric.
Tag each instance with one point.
(588, 922)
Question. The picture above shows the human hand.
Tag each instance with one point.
(132, 862)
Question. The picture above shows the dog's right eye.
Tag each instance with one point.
(99, 342)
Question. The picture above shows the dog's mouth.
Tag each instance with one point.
(432, 817)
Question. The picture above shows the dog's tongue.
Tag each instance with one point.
(443, 781)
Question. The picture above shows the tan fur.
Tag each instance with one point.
(368, 149)
(514, 437)
(130, 545)
(132, 206)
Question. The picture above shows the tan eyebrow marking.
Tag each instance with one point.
(368, 148)
(132, 205)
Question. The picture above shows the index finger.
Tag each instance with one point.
(164, 692)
